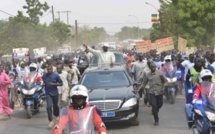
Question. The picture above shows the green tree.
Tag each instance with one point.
(132, 33)
(92, 36)
(35, 9)
(192, 20)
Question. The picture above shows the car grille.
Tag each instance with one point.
(107, 105)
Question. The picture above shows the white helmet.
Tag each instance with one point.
(33, 65)
(79, 90)
(205, 72)
(168, 57)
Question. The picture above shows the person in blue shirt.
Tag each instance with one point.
(51, 81)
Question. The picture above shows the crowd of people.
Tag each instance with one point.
(59, 74)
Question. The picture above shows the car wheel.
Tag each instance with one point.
(135, 122)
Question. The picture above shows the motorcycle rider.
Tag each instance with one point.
(167, 66)
(38, 76)
(33, 71)
(79, 111)
(205, 75)
(192, 78)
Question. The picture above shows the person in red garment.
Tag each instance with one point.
(4, 98)
(80, 116)
(205, 75)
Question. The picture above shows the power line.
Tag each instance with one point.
(46, 14)
(6, 13)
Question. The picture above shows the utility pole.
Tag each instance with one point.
(76, 33)
(58, 12)
(53, 14)
(67, 14)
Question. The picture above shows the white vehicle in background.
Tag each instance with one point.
(7, 58)
(63, 51)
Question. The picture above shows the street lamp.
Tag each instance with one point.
(154, 16)
(152, 6)
(137, 22)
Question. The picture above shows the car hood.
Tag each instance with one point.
(119, 93)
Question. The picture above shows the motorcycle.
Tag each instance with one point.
(201, 114)
(84, 124)
(31, 93)
(171, 86)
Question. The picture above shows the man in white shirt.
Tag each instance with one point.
(105, 58)
(187, 64)
(62, 90)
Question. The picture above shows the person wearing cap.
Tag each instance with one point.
(192, 77)
(22, 70)
(105, 58)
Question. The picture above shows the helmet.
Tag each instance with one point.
(168, 57)
(79, 91)
(33, 65)
(205, 72)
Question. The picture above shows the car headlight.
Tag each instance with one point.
(210, 115)
(130, 102)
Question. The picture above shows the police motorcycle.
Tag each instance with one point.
(170, 88)
(31, 93)
(201, 114)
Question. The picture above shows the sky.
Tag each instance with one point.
(110, 14)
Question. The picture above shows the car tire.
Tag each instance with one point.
(135, 122)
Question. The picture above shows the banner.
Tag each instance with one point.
(210, 49)
(20, 52)
(190, 50)
(182, 44)
(143, 46)
(165, 44)
(40, 52)
(160, 45)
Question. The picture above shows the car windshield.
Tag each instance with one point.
(105, 79)
(119, 59)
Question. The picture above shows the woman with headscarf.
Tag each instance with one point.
(4, 98)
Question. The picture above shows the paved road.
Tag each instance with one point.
(172, 121)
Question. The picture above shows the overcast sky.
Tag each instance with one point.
(110, 14)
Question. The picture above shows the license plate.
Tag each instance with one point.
(108, 114)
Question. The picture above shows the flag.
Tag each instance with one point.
(154, 17)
